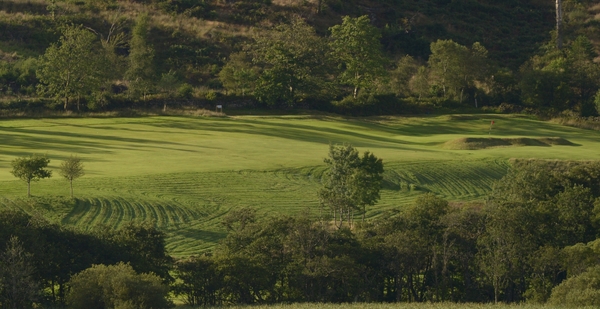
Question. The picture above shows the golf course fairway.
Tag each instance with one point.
(184, 173)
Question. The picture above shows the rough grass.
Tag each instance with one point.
(591, 123)
(474, 143)
(185, 172)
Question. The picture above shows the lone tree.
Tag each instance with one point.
(71, 169)
(351, 182)
(32, 168)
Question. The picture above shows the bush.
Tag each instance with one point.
(116, 286)
(581, 290)
(185, 91)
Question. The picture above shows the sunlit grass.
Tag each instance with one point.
(185, 172)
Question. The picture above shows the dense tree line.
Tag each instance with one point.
(538, 228)
(39, 258)
(534, 239)
(345, 69)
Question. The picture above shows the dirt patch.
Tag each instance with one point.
(474, 143)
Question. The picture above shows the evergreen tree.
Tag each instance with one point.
(140, 73)
(19, 289)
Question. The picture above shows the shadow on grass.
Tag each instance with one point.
(293, 131)
(198, 234)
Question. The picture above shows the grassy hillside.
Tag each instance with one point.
(185, 173)
(198, 35)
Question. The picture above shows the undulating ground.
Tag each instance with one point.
(185, 173)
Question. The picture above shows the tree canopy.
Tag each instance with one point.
(32, 168)
(74, 67)
(293, 62)
(351, 182)
(356, 44)
(71, 169)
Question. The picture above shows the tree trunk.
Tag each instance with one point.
(71, 188)
(319, 6)
(495, 292)
(364, 213)
(165, 106)
(334, 217)
(29, 189)
(66, 102)
(559, 20)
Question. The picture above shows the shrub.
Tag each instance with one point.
(185, 91)
(116, 286)
(581, 290)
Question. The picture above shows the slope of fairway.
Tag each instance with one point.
(184, 173)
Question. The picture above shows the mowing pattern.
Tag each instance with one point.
(189, 206)
(452, 180)
(112, 212)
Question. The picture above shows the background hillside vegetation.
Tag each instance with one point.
(358, 57)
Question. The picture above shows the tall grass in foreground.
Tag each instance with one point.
(395, 306)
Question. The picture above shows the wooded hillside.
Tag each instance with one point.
(209, 50)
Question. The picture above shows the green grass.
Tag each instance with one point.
(185, 173)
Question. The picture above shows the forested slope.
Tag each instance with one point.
(433, 53)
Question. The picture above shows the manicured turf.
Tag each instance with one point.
(184, 173)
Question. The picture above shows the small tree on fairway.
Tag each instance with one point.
(31, 168)
(71, 169)
(351, 182)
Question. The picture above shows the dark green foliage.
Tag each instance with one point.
(298, 72)
(356, 46)
(144, 247)
(292, 62)
(200, 282)
(74, 68)
(141, 70)
(18, 287)
(538, 206)
(116, 286)
(579, 291)
(58, 253)
(195, 8)
(18, 77)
